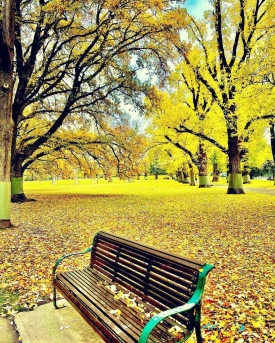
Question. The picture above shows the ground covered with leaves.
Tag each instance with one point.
(234, 232)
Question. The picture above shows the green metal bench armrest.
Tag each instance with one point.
(72, 254)
(194, 300)
(69, 255)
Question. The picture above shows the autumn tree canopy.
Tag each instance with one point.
(72, 57)
(224, 48)
(109, 150)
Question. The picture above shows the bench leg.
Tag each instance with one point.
(198, 325)
(198, 332)
(54, 300)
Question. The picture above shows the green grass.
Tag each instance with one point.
(9, 302)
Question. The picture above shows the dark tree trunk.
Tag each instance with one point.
(235, 184)
(186, 176)
(17, 193)
(202, 166)
(192, 175)
(272, 143)
(179, 175)
(216, 172)
(6, 90)
(246, 176)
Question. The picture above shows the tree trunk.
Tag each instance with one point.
(185, 176)
(5, 151)
(75, 176)
(6, 88)
(179, 175)
(192, 175)
(216, 172)
(246, 176)
(235, 182)
(272, 143)
(202, 167)
(186, 179)
(17, 193)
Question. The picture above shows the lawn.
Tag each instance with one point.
(234, 232)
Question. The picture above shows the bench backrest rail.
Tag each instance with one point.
(161, 278)
(168, 286)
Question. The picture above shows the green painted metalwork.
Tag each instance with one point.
(16, 185)
(193, 303)
(64, 257)
(5, 196)
(203, 180)
(246, 178)
(235, 180)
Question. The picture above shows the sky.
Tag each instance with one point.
(197, 7)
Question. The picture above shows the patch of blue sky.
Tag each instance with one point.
(197, 7)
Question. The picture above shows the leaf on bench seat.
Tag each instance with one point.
(118, 295)
(117, 312)
(175, 328)
(112, 288)
(176, 331)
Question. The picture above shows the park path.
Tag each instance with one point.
(249, 188)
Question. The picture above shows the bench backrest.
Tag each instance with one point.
(164, 279)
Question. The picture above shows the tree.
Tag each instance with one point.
(193, 94)
(272, 141)
(6, 87)
(114, 150)
(74, 59)
(217, 162)
(227, 58)
(187, 105)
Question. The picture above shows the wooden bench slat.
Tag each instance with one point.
(97, 320)
(159, 294)
(87, 275)
(183, 318)
(141, 282)
(156, 272)
(107, 303)
(192, 263)
(89, 307)
(157, 281)
(151, 292)
(113, 251)
(102, 262)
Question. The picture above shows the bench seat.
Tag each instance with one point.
(135, 293)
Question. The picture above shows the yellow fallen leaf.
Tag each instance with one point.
(117, 312)
(257, 324)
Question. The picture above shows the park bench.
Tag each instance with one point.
(135, 293)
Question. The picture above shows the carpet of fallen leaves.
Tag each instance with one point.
(234, 232)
